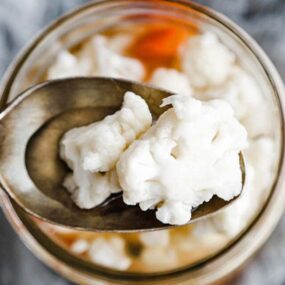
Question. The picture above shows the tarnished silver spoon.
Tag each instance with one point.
(31, 171)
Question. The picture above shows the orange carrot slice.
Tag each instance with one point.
(159, 42)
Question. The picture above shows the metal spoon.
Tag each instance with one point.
(32, 172)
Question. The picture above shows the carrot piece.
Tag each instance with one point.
(159, 42)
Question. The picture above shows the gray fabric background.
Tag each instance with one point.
(21, 19)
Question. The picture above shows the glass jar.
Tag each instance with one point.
(68, 32)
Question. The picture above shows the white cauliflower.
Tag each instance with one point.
(79, 246)
(259, 174)
(67, 65)
(248, 102)
(155, 238)
(171, 80)
(110, 253)
(186, 157)
(92, 151)
(99, 57)
(235, 217)
(107, 62)
(257, 155)
(159, 258)
(206, 61)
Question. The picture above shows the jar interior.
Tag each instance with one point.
(135, 19)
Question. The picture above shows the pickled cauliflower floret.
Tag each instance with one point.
(67, 65)
(79, 246)
(92, 151)
(155, 238)
(159, 258)
(100, 57)
(206, 61)
(229, 221)
(107, 62)
(171, 80)
(262, 148)
(242, 92)
(110, 253)
(190, 154)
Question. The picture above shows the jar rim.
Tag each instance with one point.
(277, 86)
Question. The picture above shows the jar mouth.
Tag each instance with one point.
(91, 269)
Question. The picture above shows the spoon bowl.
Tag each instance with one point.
(31, 171)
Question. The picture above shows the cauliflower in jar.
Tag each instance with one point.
(155, 238)
(248, 102)
(189, 155)
(92, 151)
(171, 80)
(98, 58)
(159, 258)
(107, 62)
(68, 65)
(235, 217)
(110, 253)
(206, 61)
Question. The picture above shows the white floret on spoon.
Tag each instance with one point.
(92, 151)
(189, 155)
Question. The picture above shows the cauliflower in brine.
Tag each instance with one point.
(171, 80)
(206, 61)
(110, 253)
(107, 62)
(67, 65)
(98, 58)
(190, 154)
(92, 151)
